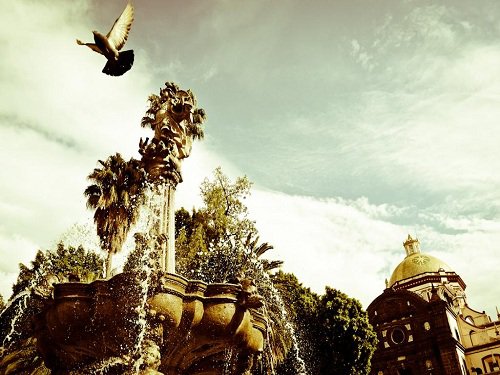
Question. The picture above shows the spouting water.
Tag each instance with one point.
(13, 300)
(21, 306)
(141, 308)
(274, 307)
(300, 366)
(149, 242)
(21, 301)
(228, 356)
(100, 368)
(274, 301)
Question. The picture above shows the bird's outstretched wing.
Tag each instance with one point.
(92, 46)
(118, 34)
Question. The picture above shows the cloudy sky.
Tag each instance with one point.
(358, 122)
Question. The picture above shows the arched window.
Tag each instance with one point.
(469, 319)
(491, 362)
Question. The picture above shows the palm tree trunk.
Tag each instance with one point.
(109, 262)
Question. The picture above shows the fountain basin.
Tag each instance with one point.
(195, 328)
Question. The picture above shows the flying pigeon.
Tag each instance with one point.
(109, 45)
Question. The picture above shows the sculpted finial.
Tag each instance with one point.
(176, 122)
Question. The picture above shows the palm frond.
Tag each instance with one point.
(118, 187)
(92, 192)
(269, 265)
(262, 248)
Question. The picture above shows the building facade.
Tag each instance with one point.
(424, 325)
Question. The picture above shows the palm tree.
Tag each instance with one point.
(261, 270)
(115, 195)
(256, 251)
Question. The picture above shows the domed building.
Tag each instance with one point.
(421, 273)
(424, 325)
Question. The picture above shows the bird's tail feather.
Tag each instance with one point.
(121, 66)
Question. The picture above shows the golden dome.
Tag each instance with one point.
(416, 263)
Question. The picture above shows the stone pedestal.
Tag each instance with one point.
(190, 327)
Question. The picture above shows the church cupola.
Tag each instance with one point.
(412, 246)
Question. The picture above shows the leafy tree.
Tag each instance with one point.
(30, 293)
(227, 215)
(115, 195)
(190, 243)
(213, 242)
(347, 338)
(301, 306)
(334, 333)
(183, 220)
(59, 265)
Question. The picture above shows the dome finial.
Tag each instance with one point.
(412, 246)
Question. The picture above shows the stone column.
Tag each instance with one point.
(168, 229)
(165, 225)
(176, 123)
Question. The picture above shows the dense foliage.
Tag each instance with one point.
(115, 195)
(333, 330)
(218, 242)
(347, 338)
(58, 265)
(34, 286)
(301, 308)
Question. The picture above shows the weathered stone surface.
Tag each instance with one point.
(190, 327)
(24, 360)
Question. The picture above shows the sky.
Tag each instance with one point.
(359, 122)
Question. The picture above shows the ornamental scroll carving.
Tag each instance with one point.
(176, 122)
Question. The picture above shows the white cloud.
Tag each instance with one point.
(328, 242)
(351, 247)
(14, 249)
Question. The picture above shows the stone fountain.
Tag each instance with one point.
(155, 322)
